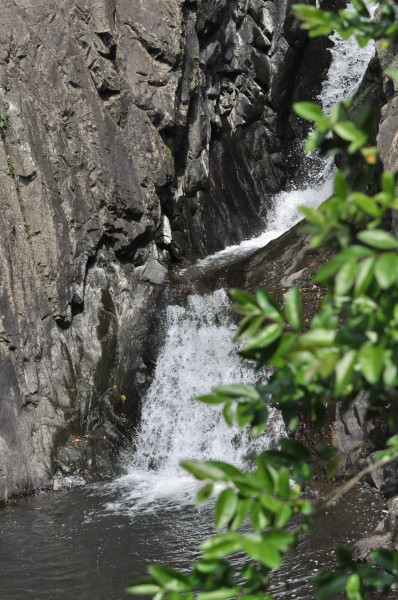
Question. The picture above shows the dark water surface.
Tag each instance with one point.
(66, 545)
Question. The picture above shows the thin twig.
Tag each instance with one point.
(338, 493)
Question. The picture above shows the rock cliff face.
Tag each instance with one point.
(132, 134)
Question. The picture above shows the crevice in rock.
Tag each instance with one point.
(108, 94)
(155, 51)
(108, 41)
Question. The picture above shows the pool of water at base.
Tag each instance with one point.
(68, 545)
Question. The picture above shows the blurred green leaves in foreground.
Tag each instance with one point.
(349, 346)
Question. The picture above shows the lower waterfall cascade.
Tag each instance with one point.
(198, 353)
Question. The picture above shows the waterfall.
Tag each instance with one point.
(198, 353)
(348, 66)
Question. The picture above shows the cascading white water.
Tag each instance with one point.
(348, 66)
(198, 353)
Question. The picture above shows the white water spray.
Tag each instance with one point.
(198, 354)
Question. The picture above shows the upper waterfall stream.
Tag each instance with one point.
(344, 76)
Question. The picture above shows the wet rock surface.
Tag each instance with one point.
(384, 535)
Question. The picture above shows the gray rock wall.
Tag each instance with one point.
(137, 133)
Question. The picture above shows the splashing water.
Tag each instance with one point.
(349, 63)
(197, 355)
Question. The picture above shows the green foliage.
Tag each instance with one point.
(350, 345)
(11, 167)
(3, 121)
(355, 21)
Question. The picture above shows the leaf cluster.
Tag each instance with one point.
(356, 20)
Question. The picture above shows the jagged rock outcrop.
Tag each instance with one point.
(132, 134)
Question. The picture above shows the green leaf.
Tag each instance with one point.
(283, 515)
(348, 131)
(371, 360)
(204, 493)
(362, 40)
(386, 270)
(297, 450)
(314, 141)
(265, 337)
(293, 307)
(378, 238)
(266, 475)
(310, 15)
(344, 371)
(260, 420)
(361, 8)
(244, 415)
(242, 510)
(332, 467)
(236, 391)
(259, 518)
(392, 73)
(262, 551)
(248, 326)
(340, 186)
(390, 375)
(267, 306)
(284, 483)
(364, 276)
(211, 399)
(228, 415)
(282, 540)
(270, 503)
(242, 297)
(206, 566)
(221, 545)
(312, 215)
(345, 278)
(311, 112)
(366, 203)
(204, 470)
(143, 587)
(225, 508)
(221, 593)
(324, 30)
(230, 471)
(169, 578)
(329, 269)
(317, 337)
(353, 587)
(331, 584)
(388, 182)
(306, 508)
(386, 559)
(357, 144)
